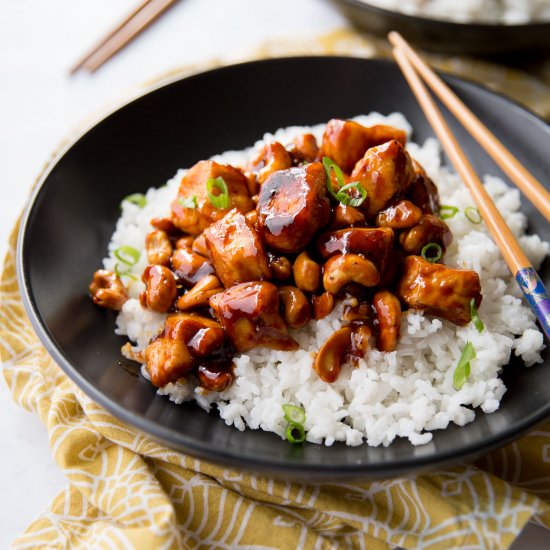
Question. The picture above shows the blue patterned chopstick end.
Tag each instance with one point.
(537, 296)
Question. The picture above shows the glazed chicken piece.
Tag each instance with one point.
(439, 290)
(236, 250)
(190, 267)
(185, 339)
(375, 244)
(195, 215)
(249, 314)
(430, 229)
(292, 206)
(423, 191)
(272, 157)
(345, 141)
(385, 172)
(304, 148)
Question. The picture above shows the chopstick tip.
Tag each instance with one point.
(393, 37)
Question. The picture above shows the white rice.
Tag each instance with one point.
(507, 12)
(406, 393)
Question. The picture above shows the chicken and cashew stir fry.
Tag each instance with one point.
(250, 253)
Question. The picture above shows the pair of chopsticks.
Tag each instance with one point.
(132, 25)
(415, 69)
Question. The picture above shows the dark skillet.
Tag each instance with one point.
(72, 214)
(448, 36)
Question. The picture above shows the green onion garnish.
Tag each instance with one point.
(125, 273)
(137, 199)
(473, 215)
(188, 202)
(446, 211)
(346, 199)
(342, 195)
(478, 323)
(221, 200)
(294, 414)
(295, 433)
(462, 371)
(127, 255)
(433, 256)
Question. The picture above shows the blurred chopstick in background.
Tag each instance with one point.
(131, 26)
(515, 258)
(517, 173)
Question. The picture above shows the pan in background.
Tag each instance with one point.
(448, 36)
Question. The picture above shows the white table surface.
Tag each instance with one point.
(40, 105)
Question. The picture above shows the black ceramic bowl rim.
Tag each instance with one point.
(442, 24)
(164, 435)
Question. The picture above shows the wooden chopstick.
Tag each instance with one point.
(524, 180)
(92, 51)
(137, 21)
(517, 261)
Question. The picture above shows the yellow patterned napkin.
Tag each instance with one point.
(126, 491)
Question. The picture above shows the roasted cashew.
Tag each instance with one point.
(322, 305)
(349, 268)
(107, 290)
(346, 216)
(158, 246)
(281, 268)
(297, 311)
(307, 273)
(328, 361)
(388, 313)
(161, 289)
(213, 378)
(200, 294)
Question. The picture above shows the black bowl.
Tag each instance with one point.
(448, 36)
(72, 214)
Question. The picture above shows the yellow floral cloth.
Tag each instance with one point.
(126, 491)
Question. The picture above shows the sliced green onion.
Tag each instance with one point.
(342, 195)
(294, 414)
(446, 211)
(346, 199)
(127, 255)
(221, 200)
(473, 215)
(432, 257)
(295, 433)
(462, 370)
(478, 323)
(124, 273)
(188, 202)
(137, 199)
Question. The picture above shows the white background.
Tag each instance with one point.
(41, 105)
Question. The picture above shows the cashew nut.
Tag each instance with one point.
(107, 290)
(159, 247)
(214, 378)
(322, 305)
(297, 311)
(281, 268)
(161, 289)
(199, 295)
(328, 361)
(307, 273)
(346, 216)
(349, 268)
(388, 313)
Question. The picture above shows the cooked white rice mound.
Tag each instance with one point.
(406, 393)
